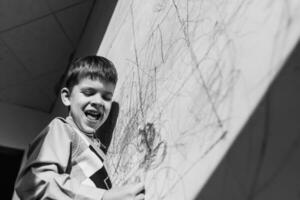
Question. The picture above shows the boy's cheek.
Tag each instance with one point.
(108, 106)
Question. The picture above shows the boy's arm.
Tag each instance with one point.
(128, 192)
(45, 174)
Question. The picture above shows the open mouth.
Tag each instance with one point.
(93, 115)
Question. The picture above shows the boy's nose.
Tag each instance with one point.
(98, 106)
(97, 100)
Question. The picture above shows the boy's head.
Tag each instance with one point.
(88, 91)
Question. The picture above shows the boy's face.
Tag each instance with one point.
(90, 102)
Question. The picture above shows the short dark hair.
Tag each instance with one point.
(93, 67)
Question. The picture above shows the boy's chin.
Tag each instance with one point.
(91, 127)
(88, 129)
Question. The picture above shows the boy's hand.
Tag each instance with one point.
(128, 192)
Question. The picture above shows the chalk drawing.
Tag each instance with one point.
(191, 72)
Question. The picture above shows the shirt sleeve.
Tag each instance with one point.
(45, 174)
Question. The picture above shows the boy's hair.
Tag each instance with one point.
(93, 67)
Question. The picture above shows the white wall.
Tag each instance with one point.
(196, 70)
(263, 163)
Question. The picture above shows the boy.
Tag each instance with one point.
(65, 160)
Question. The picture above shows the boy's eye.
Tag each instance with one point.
(107, 97)
(88, 92)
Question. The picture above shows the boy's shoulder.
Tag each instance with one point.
(63, 124)
(57, 126)
(57, 131)
(58, 122)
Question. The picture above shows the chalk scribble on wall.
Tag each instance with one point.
(191, 72)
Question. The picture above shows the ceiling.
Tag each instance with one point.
(37, 38)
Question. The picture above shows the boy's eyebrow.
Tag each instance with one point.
(87, 88)
(94, 89)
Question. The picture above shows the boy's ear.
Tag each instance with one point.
(65, 96)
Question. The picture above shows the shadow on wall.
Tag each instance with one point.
(264, 161)
(105, 132)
